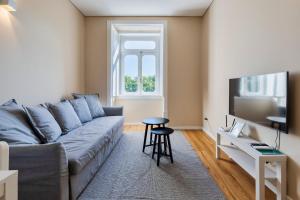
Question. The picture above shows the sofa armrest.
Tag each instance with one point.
(43, 171)
(113, 111)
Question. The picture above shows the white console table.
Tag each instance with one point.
(9, 185)
(8, 178)
(254, 162)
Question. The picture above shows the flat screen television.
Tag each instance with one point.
(262, 99)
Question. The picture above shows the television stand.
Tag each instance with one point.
(254, 163)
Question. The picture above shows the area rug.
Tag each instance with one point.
(129, 174)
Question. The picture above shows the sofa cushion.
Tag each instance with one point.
(43, 123)
(94, 104)
(82, 109)
(83, 144)
(65, 115)
(10, 102)
(14, 125)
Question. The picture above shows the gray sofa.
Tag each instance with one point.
(62, 170)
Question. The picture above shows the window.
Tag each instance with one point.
(263, 85)
(140, 65)
(252, 86)
(149, 73)
(131, 73)
(139, 45)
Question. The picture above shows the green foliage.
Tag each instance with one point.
(131, 85)
(149, 83)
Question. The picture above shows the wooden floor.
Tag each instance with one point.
(235, 183)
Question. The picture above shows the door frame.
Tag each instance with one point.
(163, 60)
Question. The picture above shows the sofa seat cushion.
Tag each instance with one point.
(83, 143)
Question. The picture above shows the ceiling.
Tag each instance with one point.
(142, 7)
(134, 28)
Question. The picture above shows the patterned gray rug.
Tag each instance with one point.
(130, 174)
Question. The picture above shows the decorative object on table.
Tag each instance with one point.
(153, 121)
(260, 146)
(237, 129)
(158, 134)
(227, 128)
(270, 151)
(265, 149)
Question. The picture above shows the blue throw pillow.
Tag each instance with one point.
(94, 104)
(14, 125)
(82, 109)
(65, 115)
(43, 123)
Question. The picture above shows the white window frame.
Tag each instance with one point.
(111, 25)
(140, 53)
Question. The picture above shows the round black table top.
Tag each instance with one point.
(156, 121)
(162, 131)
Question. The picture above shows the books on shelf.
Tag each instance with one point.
(269, 151)
(265, 149)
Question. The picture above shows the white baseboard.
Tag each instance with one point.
(187, 127)
(174, 127)
(133, 123)
(210, 134)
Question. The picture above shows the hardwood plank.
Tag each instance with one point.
(133, 128)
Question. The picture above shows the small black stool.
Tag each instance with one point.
(153, 121)
(158, 134)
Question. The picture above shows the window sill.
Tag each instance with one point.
(140, 97)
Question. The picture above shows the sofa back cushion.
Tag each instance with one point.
(43, 123)
(94, 104)
(14, 125)
(65, 115)
(82, 109)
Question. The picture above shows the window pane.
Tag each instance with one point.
(149, 73)
(139, 45)
(131, 73)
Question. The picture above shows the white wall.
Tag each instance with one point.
(41, 51)
(136, 110)
(253, 37)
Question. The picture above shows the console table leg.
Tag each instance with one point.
(281, 180)
(11, 188)
(260, 179)
(218, 142)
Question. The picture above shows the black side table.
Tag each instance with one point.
(154, 121)
(158, 134)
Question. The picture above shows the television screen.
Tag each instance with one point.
(262, 99)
